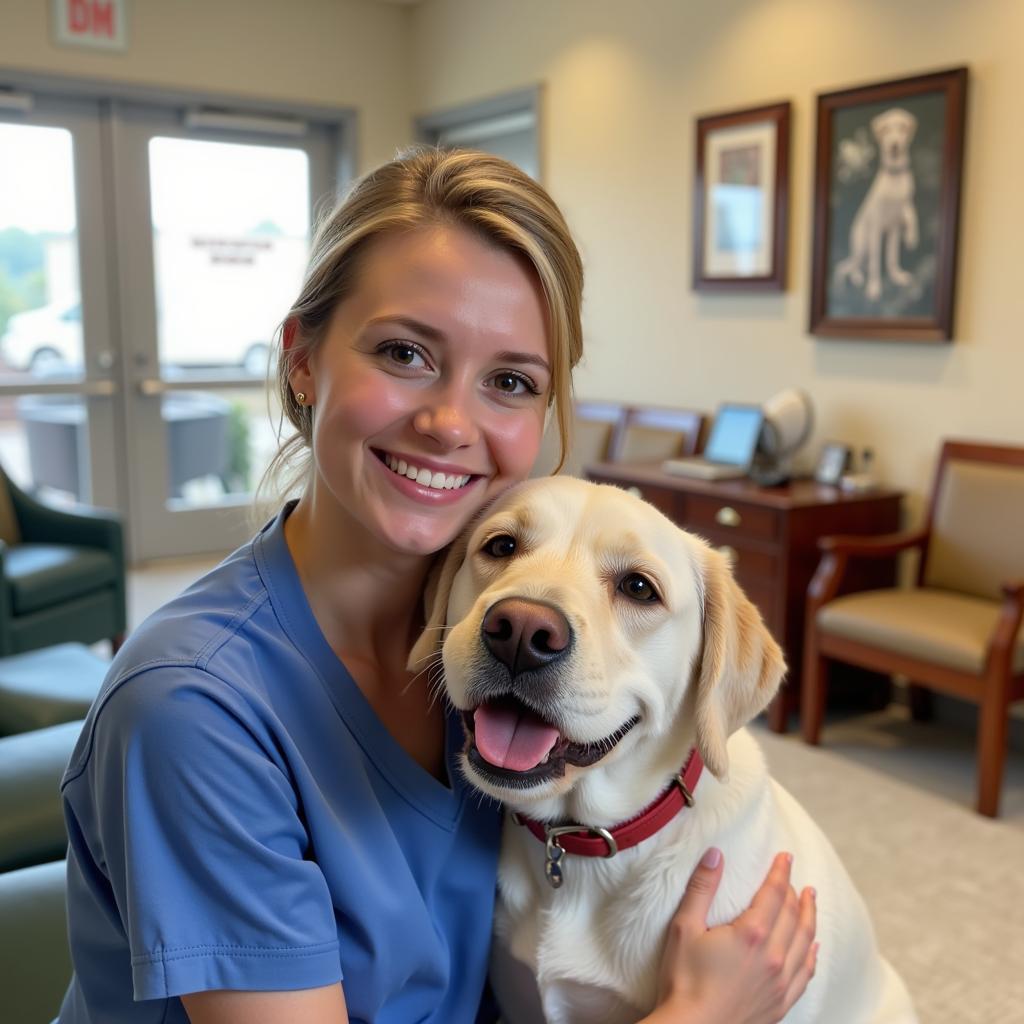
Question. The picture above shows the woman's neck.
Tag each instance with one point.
(366, 597)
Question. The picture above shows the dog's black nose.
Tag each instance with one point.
(524, 634)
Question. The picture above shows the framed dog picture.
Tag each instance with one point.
(740, 196)
(886, 206)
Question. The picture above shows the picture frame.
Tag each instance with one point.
(889, 166)
(833, 462)
(741, 200)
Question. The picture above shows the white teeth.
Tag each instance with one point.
(424, 477)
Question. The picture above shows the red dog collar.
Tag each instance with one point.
(584, 841)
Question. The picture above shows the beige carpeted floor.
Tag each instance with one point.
(945, 886)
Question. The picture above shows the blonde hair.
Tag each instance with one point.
(421, 187)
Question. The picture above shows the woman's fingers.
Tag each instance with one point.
(758, 921)
(700, 891)
(801, 978)
(801, 939)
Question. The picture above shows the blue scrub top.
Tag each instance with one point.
(240, 818)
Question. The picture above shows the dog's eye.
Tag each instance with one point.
(502, 546)
(638, 587)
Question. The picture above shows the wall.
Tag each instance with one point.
(623, 83)
(342, 53)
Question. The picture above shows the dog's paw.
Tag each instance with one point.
(901, 278)
(873, 290)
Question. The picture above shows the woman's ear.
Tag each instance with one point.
(741, 665)
(435, 601)
(300, 379)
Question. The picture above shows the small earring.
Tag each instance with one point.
(300, 397)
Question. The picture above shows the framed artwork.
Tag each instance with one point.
(886, 208)
(740, 199)
(833, 462)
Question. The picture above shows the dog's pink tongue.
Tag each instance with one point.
(513, 739)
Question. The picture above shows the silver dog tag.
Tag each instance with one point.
(552, 863)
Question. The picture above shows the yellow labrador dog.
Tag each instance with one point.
(591, 645)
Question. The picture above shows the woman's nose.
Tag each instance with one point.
(448, 422)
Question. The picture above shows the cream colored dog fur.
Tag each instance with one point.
(689, 668)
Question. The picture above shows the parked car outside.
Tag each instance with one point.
(218, 303)
(44, 339)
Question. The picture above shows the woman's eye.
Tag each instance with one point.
(638, 587)
(502, 546)
(402, 352)
(509, 383)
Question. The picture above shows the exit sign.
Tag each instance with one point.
(97, 24)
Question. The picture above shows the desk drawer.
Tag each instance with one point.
(663, 499)
(712, 515)
(751, 568)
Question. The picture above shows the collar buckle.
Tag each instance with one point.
(554, 852)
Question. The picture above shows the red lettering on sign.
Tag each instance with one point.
(78, 16)
(96, 18)
(103, 18)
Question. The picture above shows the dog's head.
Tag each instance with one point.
(894, 129)
(584, 628)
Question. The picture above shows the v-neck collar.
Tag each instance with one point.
(425, 793)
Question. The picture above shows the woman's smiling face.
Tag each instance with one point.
(430, 386)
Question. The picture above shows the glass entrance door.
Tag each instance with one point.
(215, 219)
(58, 353)
(148, 253)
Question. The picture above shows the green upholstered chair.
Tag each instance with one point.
(958, 629)
(63, 574)
(35, 964)
(31, 817)
(49, 686)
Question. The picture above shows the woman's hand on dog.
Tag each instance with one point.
(749, 972)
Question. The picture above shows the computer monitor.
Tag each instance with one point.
(734, 435)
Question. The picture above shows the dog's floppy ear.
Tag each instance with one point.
(435, 601)
(741, 665)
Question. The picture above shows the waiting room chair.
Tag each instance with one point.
(958, 630)
(35, 964)
(62, 574)
(653, 434)
(594, 429)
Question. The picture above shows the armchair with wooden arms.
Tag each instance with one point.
(62, 574)
(594, 428)
(653, 434)
(958, 630)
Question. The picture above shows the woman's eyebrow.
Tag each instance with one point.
(527, 358)
(436, 334)
(427, 330)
